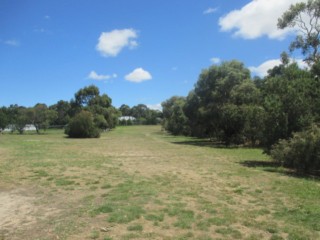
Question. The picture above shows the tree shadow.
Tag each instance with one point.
(274, 167)
(205, 143)
(257, 163)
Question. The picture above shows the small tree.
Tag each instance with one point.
(82, 126)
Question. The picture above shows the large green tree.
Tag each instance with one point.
(288, 102)
(213, 96)
(89, 99)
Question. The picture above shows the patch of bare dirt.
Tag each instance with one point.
(19, 211)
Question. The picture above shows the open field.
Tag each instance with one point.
(141, 183)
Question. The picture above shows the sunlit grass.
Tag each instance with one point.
(140, 183)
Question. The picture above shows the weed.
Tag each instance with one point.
(135, 227)
(94, 234)
(125, 214)
(64, 182)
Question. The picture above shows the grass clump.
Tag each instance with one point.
(125, 214)
(135, 227)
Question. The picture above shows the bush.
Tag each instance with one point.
(82, 126)
(100, 122)
(301, 152)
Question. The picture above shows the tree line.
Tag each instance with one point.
(88, 113)
(280, 112)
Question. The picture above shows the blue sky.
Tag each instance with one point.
(136, 51)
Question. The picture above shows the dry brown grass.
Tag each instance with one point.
(140, 183)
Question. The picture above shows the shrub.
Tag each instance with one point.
(301, 152)
(82, 126)
(101, 122)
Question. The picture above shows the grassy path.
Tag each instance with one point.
(141, 183)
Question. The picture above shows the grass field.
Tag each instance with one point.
(141, 183)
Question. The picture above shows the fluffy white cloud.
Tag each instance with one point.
(210, 10)
(155, 106)
(262, 69)
(215, 60)
(138, 75)
(111, 43)
(257, 18)
(94, 76)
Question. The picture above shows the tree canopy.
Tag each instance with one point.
(305, 17)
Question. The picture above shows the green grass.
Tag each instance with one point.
(140, 183)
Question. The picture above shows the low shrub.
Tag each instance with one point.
(82, 126)
(301, 152)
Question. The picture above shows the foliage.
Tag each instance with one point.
(3, 118)
(305, 16)
(175, 120)
(40, 116)
(216, 107)
(82, 126)
(142, 114)
(289, 103)
(21, 119)
(301, 152)
(62, 109)
(101, 122)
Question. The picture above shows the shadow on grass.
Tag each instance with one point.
(275, 167)
(205, 143)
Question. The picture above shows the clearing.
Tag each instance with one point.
(138, 182)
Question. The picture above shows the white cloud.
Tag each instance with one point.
(94, 76)
(12, 42)
(138, 75)
(257, 18)
(210, 10)
(155, 106)
(262, 69)
(111, 43)
(215, 60)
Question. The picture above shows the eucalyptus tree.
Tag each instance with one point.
(305, 17)
(174, 119)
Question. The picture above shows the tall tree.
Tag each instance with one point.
(304, 16)
(62, 109)
(213, 90)
(288, 102)
(175, 120)
(125, 110)
(4, 121)
(86, 95)
(41, 116)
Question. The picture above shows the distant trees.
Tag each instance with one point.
(62, 109)
(41, 116)
(142, 114)
(88, 99)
